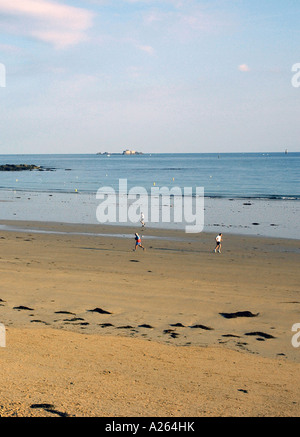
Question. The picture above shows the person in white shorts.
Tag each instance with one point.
(218, 243)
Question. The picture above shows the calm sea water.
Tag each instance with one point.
(246, 175)
(256, 194)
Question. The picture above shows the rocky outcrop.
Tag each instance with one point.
(22, 167)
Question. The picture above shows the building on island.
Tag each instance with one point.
(130, 152)
(125, 152)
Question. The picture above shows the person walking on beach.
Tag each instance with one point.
(138, 242)
(218, 243)
(142, 220)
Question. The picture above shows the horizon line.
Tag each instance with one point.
(147, 153)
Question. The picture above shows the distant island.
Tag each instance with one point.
(22, 167)
(125, 152)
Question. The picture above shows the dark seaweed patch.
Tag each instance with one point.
(23, 308)
(99, 310)
(125, 327)
(168, 331)
(238, 314)
(34, 406)
(39, 321)
(74, 319)
(65, 312)
(260, 334)
(206, 328)
(50, 409)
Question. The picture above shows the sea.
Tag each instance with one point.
(243, 193)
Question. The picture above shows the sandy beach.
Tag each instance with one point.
(96, 329)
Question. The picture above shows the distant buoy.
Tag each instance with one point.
(17, 180)
(76, 190)
(154, 183)
(173, 179)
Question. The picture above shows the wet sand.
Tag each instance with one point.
(96, 329)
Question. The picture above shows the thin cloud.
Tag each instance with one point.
(48, 21)
(244, 68)
(147, 49)
(144, 48)
(174, 3)
(8, 48)
(134, 72)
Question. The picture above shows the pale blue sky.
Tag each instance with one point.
(157, 76)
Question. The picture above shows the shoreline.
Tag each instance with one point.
(126, 231)
(270, 197)
(269, 218)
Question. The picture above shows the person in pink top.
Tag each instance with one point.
(138, 242)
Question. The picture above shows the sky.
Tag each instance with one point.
(167, 76)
